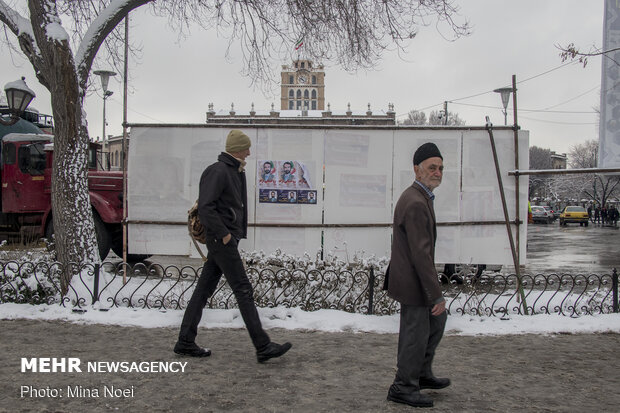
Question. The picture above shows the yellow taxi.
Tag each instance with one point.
(574, 214)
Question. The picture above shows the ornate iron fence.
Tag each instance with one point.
(360, 291)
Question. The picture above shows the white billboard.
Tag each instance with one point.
(332, 189)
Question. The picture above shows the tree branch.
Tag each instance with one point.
(572, 52)
(98, 30)
(22, 29)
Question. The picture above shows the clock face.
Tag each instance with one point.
(302, 79)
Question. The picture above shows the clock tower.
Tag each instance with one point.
(302, 86)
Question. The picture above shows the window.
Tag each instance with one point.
(303, 65)
(314, 105)
(298, 104)
(291, 94)
(306, 94)
(291, 104)
(313, 80)
(92, 157)
(31, 159)
(9, 154)
(291, 79)
(313, 93)
(298, 93)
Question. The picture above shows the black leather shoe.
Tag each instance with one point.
(191, 349)
(415, 399)
(272, 350)
(433, 383)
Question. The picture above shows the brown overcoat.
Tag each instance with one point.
(411, 276)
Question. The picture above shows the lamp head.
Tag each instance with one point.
(505, 94)
(105, 77)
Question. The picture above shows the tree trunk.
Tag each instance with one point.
(74, 230)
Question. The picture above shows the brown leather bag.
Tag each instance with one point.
(197, 231)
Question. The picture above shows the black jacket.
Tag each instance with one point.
(222, 200)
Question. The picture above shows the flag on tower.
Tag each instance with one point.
(299, 43)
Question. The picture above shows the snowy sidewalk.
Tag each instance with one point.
(324, 372)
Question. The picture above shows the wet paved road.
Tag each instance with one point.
(572, 248)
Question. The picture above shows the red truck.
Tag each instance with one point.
(26, 206)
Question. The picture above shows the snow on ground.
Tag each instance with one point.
(321, 320)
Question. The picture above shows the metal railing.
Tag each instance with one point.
(359, 291)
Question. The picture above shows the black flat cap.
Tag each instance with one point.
(425, 151)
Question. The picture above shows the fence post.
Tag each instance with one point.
(371, 290)
(614, 287)
(96, 284)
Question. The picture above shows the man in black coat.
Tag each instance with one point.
(412, 280)
(223, 210)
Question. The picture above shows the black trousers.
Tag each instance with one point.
(223, 259)
(419, 335)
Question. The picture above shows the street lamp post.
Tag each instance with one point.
(18, 97)
(105, 77)
(505, 94)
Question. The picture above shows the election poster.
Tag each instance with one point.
(285, 182)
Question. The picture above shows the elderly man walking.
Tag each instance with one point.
(412, 280)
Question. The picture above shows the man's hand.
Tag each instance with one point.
(226, 239)
(438, 308)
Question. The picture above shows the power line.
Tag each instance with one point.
(492, 91)
(557, 123)
(529, 110)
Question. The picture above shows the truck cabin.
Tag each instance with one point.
(30, 152)
(26, 152)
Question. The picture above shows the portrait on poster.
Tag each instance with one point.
(285, 181)
(305, 196)
(268, 195)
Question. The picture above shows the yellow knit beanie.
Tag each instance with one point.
(237, 141)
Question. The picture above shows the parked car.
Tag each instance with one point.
(540, 214)
(573, 213)
(552, 213)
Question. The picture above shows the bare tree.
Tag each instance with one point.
(61, 39)
(416, 117)
(436, 117)
(584, 155)
(597, 187)
(540, 158)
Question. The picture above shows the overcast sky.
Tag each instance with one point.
(175, 80)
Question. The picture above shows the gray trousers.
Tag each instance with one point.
(420, 333)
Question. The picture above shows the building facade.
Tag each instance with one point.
(558, 161)
(302, 86)
(302, 101)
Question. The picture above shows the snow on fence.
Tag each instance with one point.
(351, 288)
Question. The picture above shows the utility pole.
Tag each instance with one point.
(445, 112)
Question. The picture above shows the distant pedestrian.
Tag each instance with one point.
(604, 215)
(222, 207)
(412, 280)
(613, 215)
(597, 215)
(589, 212)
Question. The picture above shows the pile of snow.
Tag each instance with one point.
(321, 320)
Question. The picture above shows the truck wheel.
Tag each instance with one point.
(117, 247)
(103, 237)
